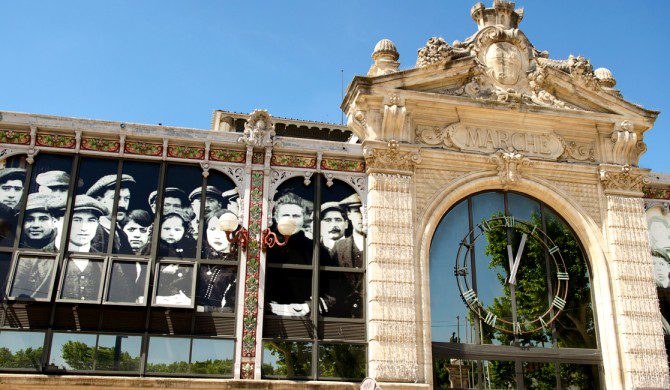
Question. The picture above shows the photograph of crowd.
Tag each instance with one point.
(341, 244)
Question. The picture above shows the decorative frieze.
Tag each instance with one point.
(56, 140)
(14, 137)
(143, 148)
(622, 180)
(100, 144)
(656, 193)
(186, 152)
(391, 158)
(226, 155)
(289, 160)
(333, 164)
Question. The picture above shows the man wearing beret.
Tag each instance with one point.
(40, 223)
(103, 191)
(11, 186)
(85, 223)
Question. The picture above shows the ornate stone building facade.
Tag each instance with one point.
(357, 246)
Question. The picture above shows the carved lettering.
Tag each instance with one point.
(544, 145)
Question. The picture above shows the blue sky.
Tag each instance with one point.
(174, 62)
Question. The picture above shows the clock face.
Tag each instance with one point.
(526, 259)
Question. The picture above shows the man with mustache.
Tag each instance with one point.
(11, 186)
(40, 223)
(103, 191)
(333, 224)
(348, 252)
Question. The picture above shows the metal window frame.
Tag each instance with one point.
(41, 360)
(12, 275)
(108, 279)
(63, 277)
(192, 264)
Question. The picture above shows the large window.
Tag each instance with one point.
(511, 302)
(111, 263)
(314, 325)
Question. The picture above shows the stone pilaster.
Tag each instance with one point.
(391, 269)
(644, 361)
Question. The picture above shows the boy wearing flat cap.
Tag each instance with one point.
(41, 221)
(53, 182)
(85, 223)
(103, 192)
(11, 186)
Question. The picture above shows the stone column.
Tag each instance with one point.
(391, 266)
(638, 319)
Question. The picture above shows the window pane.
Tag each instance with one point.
(341, 294)
(168, 354)
(216, 289)
(447, 311)
(580, 376)
(118, 353)
(294, 202)
(342, 241)
(93, 206)
(45, 207)
(539, 375)
(32, 279)
(179, 221)
(175, 285)
(5, 263)
(127, 282)
(83, 279)
(288, 292)
(71, 351)
(135, 214)
(212, 357)
(342, 361)
(287, 359)
(21, 349)
(12, 177)
(477, 374)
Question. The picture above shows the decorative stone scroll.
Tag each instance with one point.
(626, 148)
(391, 158)
(488, 140)
(622, 180)
(578, 151)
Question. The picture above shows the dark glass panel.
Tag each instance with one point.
(288, 292)
(12, 179)
(341, 294)
(45, 207)
(32, 278)
(181, 205)
(473, 374)
(175, 285)
(287, 359)
(342, 361)
(575, 327)
(216, 288)
(168, 355)
(93, 206)
(342, 241)
(127, 282)
(135, 214)
(447, 311)
(539, 375)
(5, 264)
(580, 376)
(21, 349)
(118, 353)
(72, 351)
(212, 357)
(82, 280)
(294, 200)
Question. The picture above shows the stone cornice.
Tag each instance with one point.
(391, 157)
(623, 180)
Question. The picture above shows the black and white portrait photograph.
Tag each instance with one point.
(175, 285)
(32, 277)
(12, 178)
(82, 279)
(216, 288)
(342, 232)
(127, 282)
(85, 231)
(215, 244)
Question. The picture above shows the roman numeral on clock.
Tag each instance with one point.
(543, 322)
(559, 303)
(553, 250)
(517, 328)
(562, 275)
(491, 318)
(470, 296)
(509, 221)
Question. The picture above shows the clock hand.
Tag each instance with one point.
(515, 265)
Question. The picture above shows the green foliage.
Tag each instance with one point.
(23, 358)
(293, 359)
(169, 368)
(342, 361)
(79, 356)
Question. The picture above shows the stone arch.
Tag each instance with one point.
(584, 227)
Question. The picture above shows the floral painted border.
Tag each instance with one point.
(287, 160)
(343, 165)
(235, 156)
(100, 144)
(258, 158)
(188, 152)
(56, 141)
(144, 148)
(656, 193)
(14, 137)
(250, 317)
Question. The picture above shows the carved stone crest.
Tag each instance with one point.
(392, 158)
(509, 166)
(259, 131)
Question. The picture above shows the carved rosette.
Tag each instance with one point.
(392, 158)
(259, 130)
(509, 166)
(622, 180)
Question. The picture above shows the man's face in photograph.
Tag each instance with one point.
(333, 225)
(356, 217)
(171, 203)
(292, 211)
(212, 205)
(84, 225)
(124, 203)
(138, 235)
(10, 192)
(39, 225)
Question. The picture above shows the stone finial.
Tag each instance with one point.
(436, 51)
(386, 57)
(502, 14)
(605, 77)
